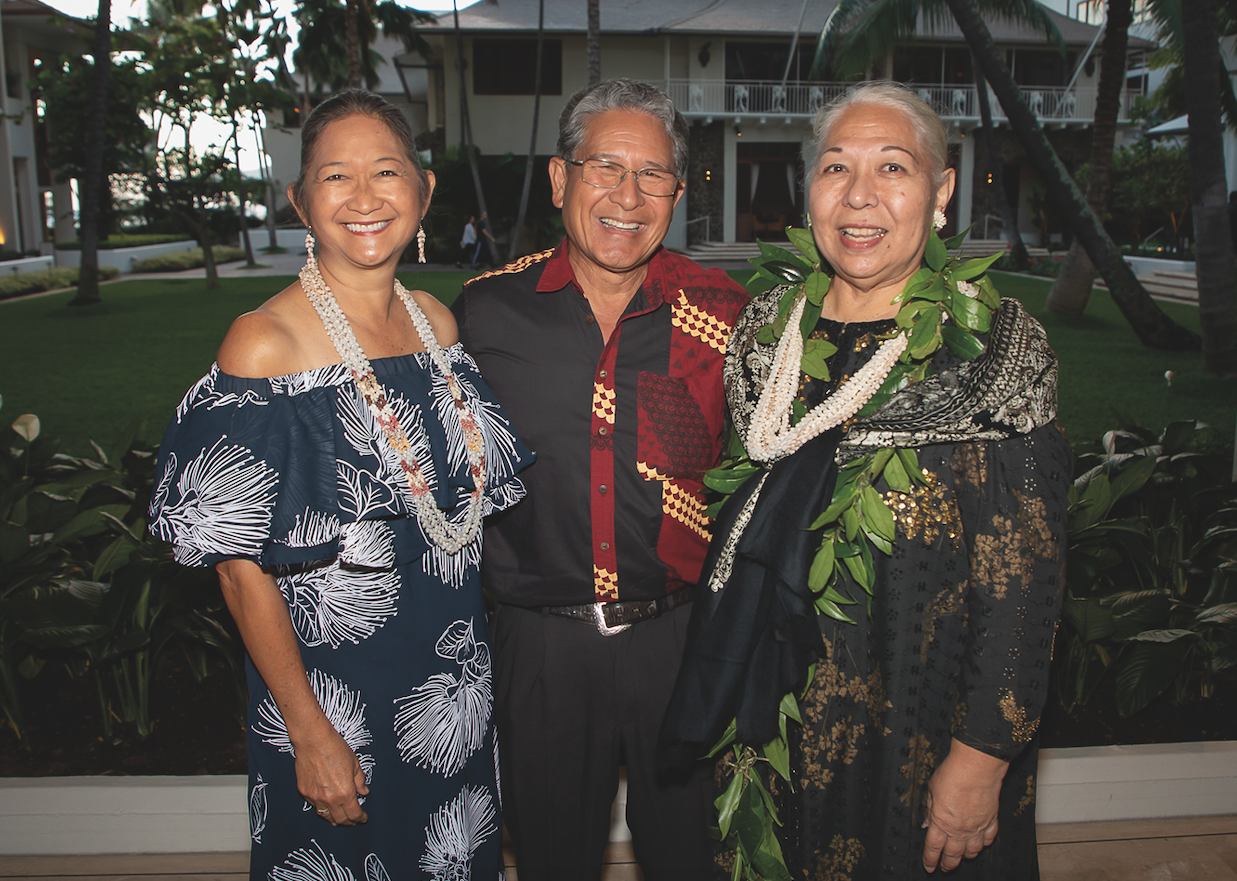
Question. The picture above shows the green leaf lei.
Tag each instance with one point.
(946, 302)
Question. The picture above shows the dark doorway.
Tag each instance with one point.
(768, 190)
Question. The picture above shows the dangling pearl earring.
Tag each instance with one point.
(309, 246)
(420, 243)
(938, 220)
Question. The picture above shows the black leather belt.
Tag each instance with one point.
(615, 617)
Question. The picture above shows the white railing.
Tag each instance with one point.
(764, 98)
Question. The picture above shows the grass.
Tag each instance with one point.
(94, 371)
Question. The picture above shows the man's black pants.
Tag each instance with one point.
(572, 705)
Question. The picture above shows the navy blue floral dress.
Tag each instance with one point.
(294, 473)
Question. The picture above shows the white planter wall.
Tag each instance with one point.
(84, 815)
(122, 258)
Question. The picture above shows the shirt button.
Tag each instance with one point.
(602, 489)
(602, 431)
(590, 319)
(605, 545)
(603, 374)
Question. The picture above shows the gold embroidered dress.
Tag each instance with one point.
(956, 640)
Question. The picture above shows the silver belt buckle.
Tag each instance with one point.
(599, 615)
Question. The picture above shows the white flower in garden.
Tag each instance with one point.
(1168, 376)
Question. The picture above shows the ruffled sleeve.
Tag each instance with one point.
(276, 470)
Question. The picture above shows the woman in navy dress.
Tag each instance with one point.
(341, 505)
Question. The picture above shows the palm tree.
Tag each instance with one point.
(532, 143)
(1072, 288)
(466, 124)
(93, 180)
(1152, 326)
(594, 42)
(1009, 222)
(1214, 262)
(327, 52)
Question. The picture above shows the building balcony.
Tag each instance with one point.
(1055, 106)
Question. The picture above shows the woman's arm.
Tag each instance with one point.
(328, 774)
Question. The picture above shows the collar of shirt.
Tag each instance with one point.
(558, 274)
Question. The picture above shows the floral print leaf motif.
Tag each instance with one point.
(349, 598)
(257, 810)
(342, 707)
(221, 503)
(313, 528)
(365, 435)
(455, 832)
(298, 383)
(311, 864)
(375, 870)
(443, 721)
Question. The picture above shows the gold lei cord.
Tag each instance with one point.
(946, 302)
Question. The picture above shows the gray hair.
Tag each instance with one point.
(356, 102)
(621, 94)
(929, 130)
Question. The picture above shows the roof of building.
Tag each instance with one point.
(769, 18)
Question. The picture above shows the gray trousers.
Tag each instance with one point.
(572, 706)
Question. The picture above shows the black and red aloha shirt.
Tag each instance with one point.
(623, 430)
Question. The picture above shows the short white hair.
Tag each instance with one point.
(931, 133)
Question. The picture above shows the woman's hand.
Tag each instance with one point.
(963, 797)
(330, 778)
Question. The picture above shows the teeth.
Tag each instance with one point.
(367, 227)
(863, 232)
(619, 224)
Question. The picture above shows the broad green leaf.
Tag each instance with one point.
(896, 476)
(1225, 613)
(910, 461)
(954, 242)
(879, 542)
(785, 271)
(781, 255)
(969, 313)
(750, 819)
(786, 303)
(1088, 617)
(27, 425)
(974, 267)
(113, 556)
(803, 240)
(935, 254)
(14, 541)
(790, 706)
(879, 460)
(830, 608)
(876, 514)
(961, 343)
(765, 336)
(89, 522)
(807, 324)
(822, 567)
(1145, 672)
(725, 740)
(1132, 478)
(727, 802)
(816, 287)
(1170, 634)
(778, 755)
(850, 522)
(813, 363)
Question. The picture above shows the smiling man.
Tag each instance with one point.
(607, 354)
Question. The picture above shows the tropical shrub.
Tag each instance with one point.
(83, 585)
(47, 280)
(1151, 579)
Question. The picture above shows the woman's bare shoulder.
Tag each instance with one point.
(266, 341)
(446, 331)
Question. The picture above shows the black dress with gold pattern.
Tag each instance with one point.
(956, 640)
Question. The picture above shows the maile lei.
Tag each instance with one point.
(947, 302)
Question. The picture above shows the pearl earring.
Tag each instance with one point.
(938, 220)
(420, 244)
(309, 245)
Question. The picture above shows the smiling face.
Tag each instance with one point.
(361, 195)
(873, 197)
(614, 232)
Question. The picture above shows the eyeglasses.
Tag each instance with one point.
(608, 176)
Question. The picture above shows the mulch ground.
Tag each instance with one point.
(197, 729)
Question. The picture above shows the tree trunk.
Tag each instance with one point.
(1072, 288)
(594, 42)
(1153, 327)
(483, 216)
(518, 232)
(1009, 221)
(250, 263)
(353, 44)
(93, 179)
(1217, 272)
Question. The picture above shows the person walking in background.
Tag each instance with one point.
(608, 351)
(485, 244)
(468, 243)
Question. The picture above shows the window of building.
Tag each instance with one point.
(767, 61)
(917, 64)
(508, 67)
(1042, 67)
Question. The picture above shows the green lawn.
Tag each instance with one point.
(93, 372)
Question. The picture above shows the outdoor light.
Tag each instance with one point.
(708, 175)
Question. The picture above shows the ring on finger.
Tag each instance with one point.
(324, 812)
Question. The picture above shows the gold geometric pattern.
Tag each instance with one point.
(700, 324)
(605, 584)
(649, 472)
(686, 507)
(603, 403)
(514, 266)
